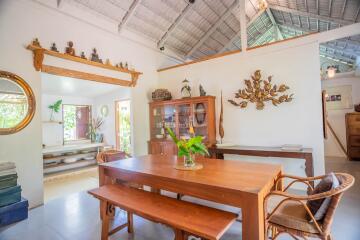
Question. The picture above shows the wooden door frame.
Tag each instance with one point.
(117, 123)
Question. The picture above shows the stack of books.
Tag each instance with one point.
(13, 207)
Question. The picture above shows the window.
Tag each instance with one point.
(77, 120)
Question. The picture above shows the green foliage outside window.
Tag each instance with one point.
(11, 114)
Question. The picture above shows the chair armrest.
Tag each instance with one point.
(305, 180)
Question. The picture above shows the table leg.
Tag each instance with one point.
(103, 179)
(253, 227)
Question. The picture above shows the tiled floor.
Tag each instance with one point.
(63, 184)
(76, 217)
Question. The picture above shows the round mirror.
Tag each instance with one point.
(17, 103)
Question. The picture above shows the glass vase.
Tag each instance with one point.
(189, 161)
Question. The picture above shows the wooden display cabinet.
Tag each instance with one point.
(178, 115)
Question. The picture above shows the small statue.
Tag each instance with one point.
(121, 65)
(117, 65)
(202, 91)
(83, 55)
(36, 42)
(107, 62)
(54, 48)
(186, 89)
(69, 49)
(126, 66)
(95, 56)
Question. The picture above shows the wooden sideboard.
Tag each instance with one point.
(353, 135)
(179, 115)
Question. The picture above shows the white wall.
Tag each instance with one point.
(52, 134)
(108, 128)
(337, 117)
(20, 22)
(298, 122)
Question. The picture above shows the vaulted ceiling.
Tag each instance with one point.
(195, 29)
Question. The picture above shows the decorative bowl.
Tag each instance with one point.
(161, 95)
(357, 108)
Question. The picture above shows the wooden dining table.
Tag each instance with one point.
(234, 183)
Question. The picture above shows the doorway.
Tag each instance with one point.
(123, 125)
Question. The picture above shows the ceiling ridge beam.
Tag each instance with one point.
(256, 16)
(312, 15)
(213, 28)
(274, 23)
(295, 27)
(175, 24)
(128, 14)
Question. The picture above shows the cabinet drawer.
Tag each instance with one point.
(355, 141)
(354, 129)
(353, 119)
(354, 152)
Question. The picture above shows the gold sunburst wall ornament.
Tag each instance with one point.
(260, 91)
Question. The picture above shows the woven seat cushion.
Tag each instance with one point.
(290, 214)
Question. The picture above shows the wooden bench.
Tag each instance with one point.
(184, 217)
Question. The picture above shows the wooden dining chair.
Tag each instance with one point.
(287, 213)
(110, 156)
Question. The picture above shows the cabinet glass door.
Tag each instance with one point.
(169, 119)
(157, 124)
(200, 119)
(184, 119)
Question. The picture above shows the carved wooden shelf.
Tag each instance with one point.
(39, 53)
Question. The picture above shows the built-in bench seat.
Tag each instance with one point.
(184, 217)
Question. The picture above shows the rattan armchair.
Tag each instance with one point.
(291, 215)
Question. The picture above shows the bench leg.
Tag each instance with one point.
(180, 235)
(130, 222)
(105, 221)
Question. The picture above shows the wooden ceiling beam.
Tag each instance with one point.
(128, 14)
(238, 33)
(311, 15)
(213, 28)
(173, 26)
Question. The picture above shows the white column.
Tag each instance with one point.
(243, 26)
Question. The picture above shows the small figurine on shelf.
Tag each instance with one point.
(83, 55)
(107, 62)
(186, 89)
(126, 66)
(121, 65)
(69, 49)
(36, 42)
(95, 56)
(54, 48)
(202, 91)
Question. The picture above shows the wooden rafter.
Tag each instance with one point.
(274, 23)
(128, 14)
(174, 24)
(213, 28)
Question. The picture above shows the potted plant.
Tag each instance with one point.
(55, 108)
(187, 148)
(94, 126)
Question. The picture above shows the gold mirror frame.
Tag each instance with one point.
(30, 100)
